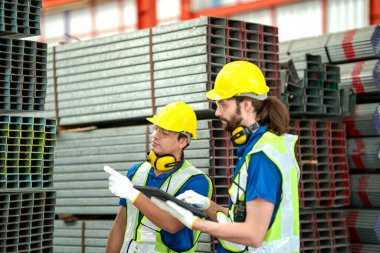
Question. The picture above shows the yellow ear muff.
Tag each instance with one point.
(239, 136)
(161, 163)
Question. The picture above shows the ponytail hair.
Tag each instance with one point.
(272, 113)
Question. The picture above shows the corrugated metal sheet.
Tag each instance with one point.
(347, 14)
(299, 20)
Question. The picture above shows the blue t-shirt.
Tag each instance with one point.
(183, 239)
(264, 178)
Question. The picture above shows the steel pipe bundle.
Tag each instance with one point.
(125, 77)
(361, 123)
(324, 231)
(365, 190)
(313, 89)
(20, 18)
(321, 153)
(365, 248)
(92, 235)
(361, 77)
(341, 47)
(23, 75)
(361, 224)
(363, 153)
(27, 152)
(27, 221)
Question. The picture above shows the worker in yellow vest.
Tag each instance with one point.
(263, 213)
(140, 226)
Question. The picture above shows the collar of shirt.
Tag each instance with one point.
(243, 149)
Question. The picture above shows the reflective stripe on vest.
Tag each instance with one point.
(283, 236)
(147, 234)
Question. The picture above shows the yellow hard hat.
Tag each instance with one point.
(176, 117)
(237, 78)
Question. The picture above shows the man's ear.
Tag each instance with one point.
(247, 105)
(183, 142)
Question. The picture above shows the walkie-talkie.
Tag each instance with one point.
(240, 211)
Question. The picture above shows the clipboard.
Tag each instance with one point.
(160, 194)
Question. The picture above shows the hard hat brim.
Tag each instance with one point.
(212, 95)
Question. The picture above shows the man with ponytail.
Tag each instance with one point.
(263, 213)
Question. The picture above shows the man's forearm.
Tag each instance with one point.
(211, 211)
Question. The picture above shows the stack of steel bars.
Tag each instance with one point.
(320, 150)
(20, 18)
(313, 90)
(27, 221)
(324, 231)
(27, 142)
(27, 152)
(363, 232)
(125, 77)
(357, 53)
(91, 236)
(362, 76)
(341, 47)
(23, 79)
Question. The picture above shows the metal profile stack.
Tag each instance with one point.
(324, 181)
(362, 76)
(365, 190)
(23, 80)
(364, 248)
(361, 122)
(363, 153)
(26, 152)
(324, 231)
(27, 142)
(20, 18)
(362, 228)
(314, 90)
(27, 221)
(341, 47)
(125, 75)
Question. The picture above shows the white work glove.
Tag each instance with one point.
(183, 215)
(120, 185)
(195, 199)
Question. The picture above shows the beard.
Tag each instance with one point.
(234, 122)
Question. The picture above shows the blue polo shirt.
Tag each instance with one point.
(264, 178)
(183, 239)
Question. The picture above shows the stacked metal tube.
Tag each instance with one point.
(341, 47)
(357, 53)
(27, 200)
(23, 79)
(310, 87)
(324, 231)
(20, 18)
(126, 75)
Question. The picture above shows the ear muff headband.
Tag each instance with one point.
(240, 135)
(161, 162)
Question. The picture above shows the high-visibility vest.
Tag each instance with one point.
(142, 235)
(283, 235)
